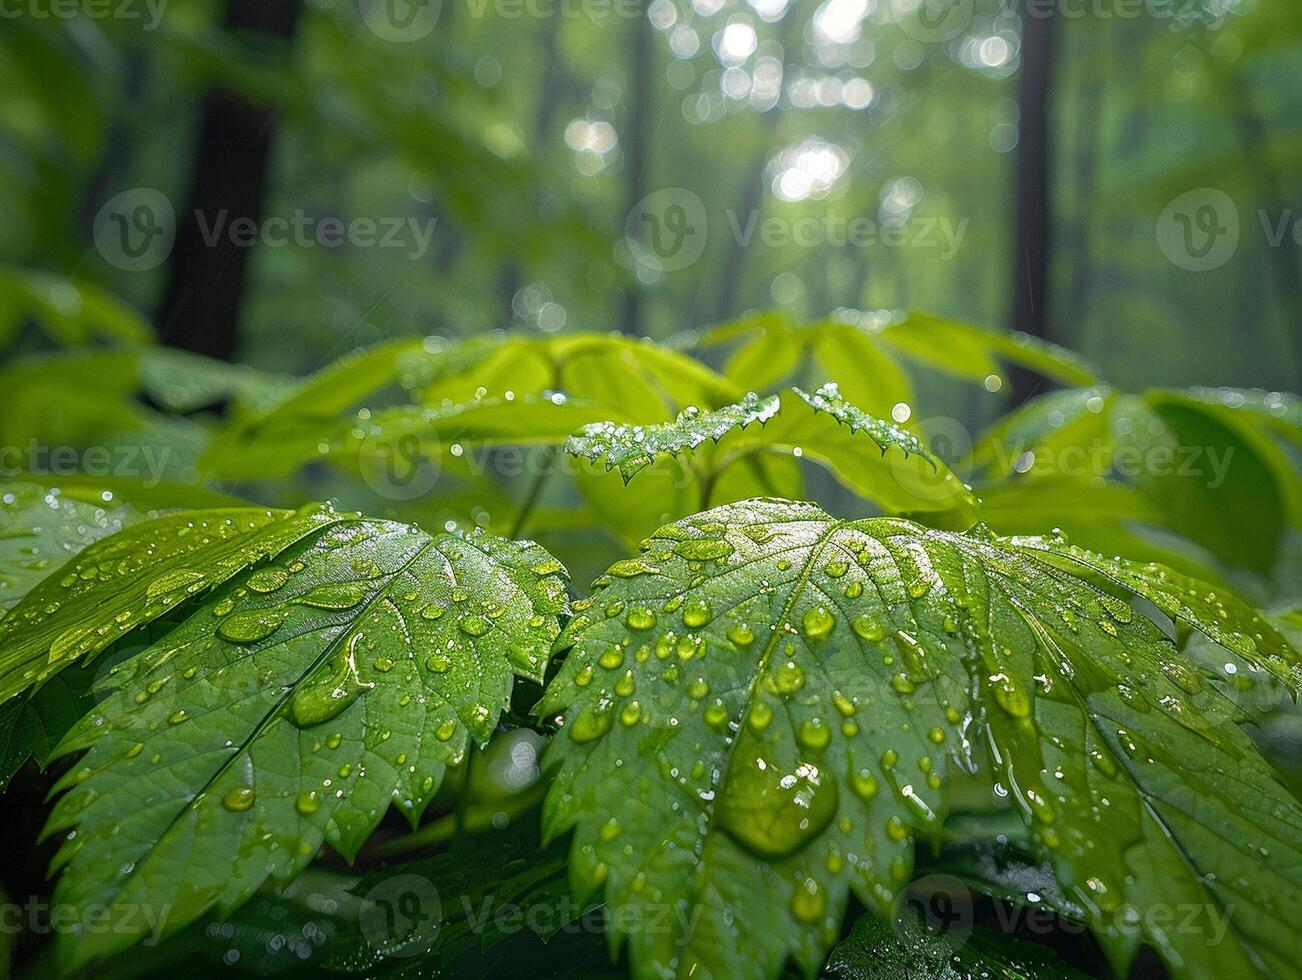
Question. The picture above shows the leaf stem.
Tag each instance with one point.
(535, 491)
(473, 819)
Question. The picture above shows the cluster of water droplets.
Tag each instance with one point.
(631, 448)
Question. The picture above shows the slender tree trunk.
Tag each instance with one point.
(1033, 237)
(1088, 130)
(205, 282)
(1254, 144)
(554, 84)
(637, 97)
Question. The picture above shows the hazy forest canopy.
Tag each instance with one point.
(651, 488)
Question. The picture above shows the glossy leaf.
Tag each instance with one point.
(876, 459)
(632, 448)
(763, 707)
(876, 951)
(1209, 465)
(865, 356)
(41, 528)
(131, 578)
(289, 710)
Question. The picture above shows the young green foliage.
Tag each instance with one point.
(288, 709)
(705, 458)
(864, 358)
(1209, 464)
(763, 707)
(133, 577)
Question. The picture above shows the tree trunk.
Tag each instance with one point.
(205, 280)
(1032, 239)
(637, 97)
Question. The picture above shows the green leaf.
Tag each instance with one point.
(31, 728)
(289, 710)
(532, 390)
(407, 435)
(1282, 410)
(1216, 613)
(70, 311)
(970, 351)
(632, 448)
(131, 578)
(901, 476)
(643, 381)
(762, 710)
(863, 356)
(41, 528)
(1209, 465)
(876, 951)
(185, 382)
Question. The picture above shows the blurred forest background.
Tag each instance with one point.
(507, 149)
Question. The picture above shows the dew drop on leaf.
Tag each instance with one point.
(818, 622)
(239, 799)
(333, 595)
(171, 581)
(868, 628)
(267, 579)
(770, 812)
(322, 700)
(251, 625)
(703, 549)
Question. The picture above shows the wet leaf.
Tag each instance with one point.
(289, 710)
(762, 709)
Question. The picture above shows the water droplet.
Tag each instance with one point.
(741, 635)
(631, 568)
(267, 579)
(591, 724)
(173, 580)
(814, 734)
(240, 799)
(640, 618)
(807, 902)
(322, 700)
(869, 628)
(334, 595)
(696, 613)
(703, 549)
(251, 625)
(772, 813)
(475, 625)
(818, 623)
